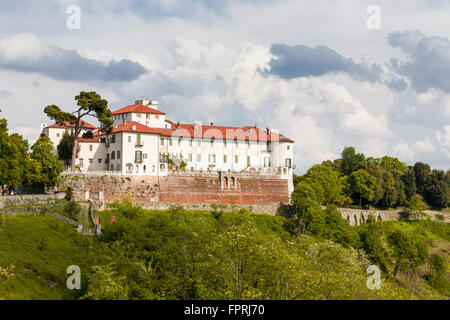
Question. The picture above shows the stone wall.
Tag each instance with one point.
(29, 199)
(183, 187)
(256, 208)
(358, 216)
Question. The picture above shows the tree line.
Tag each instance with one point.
(387, 182)
(33, 168)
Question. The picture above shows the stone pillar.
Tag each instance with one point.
(101, 200)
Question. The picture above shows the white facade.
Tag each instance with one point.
(142, 138)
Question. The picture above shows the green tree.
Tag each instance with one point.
(409, 180)
(422, 173)
(329, 181)
(89, 104)
(391, 163)
(10, 172)
(72, 210)
(30, 169)
(406, 250)
(438, 268)
(363, 185)
(436, 193)
(51, 167)
(350, 160)
(65, 148)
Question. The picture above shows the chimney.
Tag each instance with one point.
(268, 131)
(143, 102)
(154, 104)
(178, 124)
(211, 124)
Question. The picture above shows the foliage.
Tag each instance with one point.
(51, 167)
(89, 104)
(72, 210)
(438, 269)
(407, 250)
(395, 183)
(362, 185)
(69, 193)
(65, 148)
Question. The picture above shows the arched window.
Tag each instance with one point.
(129, 167)
(356, 220)
(111, 167)
(225, 183)
(233, 182)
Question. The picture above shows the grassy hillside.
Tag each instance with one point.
(178, 254)
(40, 248)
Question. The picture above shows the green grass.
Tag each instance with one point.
(40, 248)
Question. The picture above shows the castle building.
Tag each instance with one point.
(144, 142)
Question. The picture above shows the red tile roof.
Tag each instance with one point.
(140, 128)
(67, 124)
(216, 132)
(93, 140)
(137, 108)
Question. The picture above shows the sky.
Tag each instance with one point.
(328, 74)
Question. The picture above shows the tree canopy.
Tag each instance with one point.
(89, 104)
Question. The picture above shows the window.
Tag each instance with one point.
(156, 116)
(138, 139)
(179, 142)
(170, 142)
(129, 138)
(138, 156)
(138, 115)
(57, 135)
(288, 162)
(236, 142)
(162, 141)
(113, 138)
(236, 159)
(212, 158)
(248, 143)
(81, 163)
(145, 168)
(225, 143)
(212, 142)
(113, 155)
(267, 145)
(266, 162)
(190, 143)
(99, 160)
(288, 147)
(224, 158)
(199, 158)
(90, 160)
(199, 143)
(129, 167)
(118, 154)
(190, 156)
(248, 160)
(90, 147)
